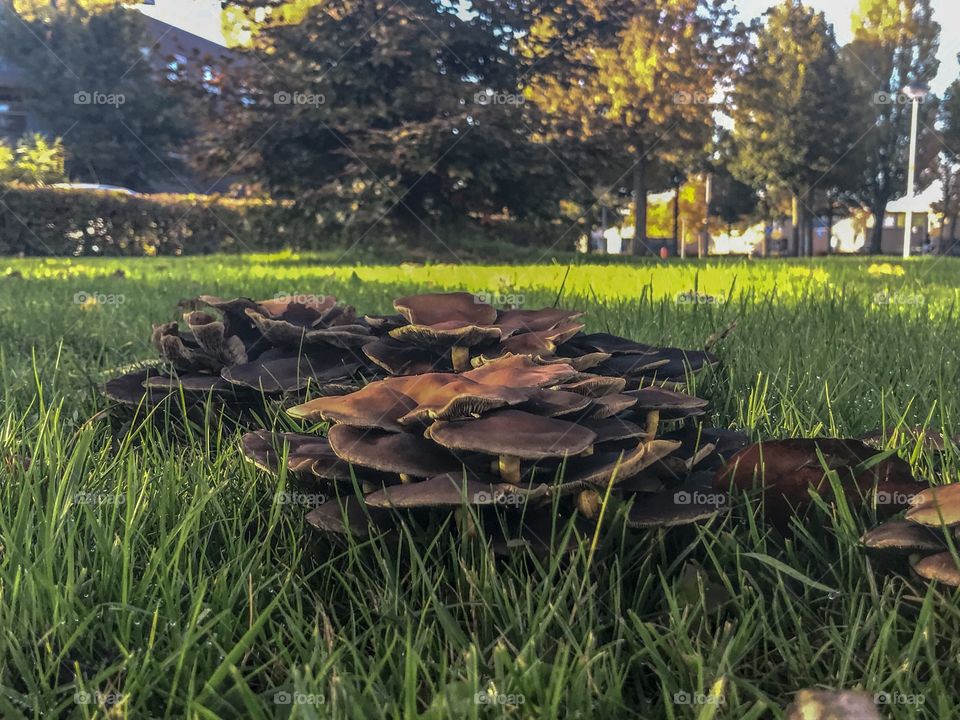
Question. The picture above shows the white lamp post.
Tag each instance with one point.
(916, 92)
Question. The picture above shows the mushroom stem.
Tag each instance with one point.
(460, 357)
(653, 421)
(405, 479)
(468, 528)
(588, 503)
(509, 467)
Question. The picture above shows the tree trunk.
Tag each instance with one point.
(876, 234)
(676, 219)
(639, 242)
(795, 227)
(953, 234)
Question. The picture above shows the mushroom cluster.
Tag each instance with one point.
(928, 533)
(533, 436)
(238, 352)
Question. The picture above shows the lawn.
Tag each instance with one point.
(142, 575)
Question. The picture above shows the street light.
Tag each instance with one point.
(916, 91)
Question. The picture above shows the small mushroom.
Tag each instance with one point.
(521, 371)
(451, 490)
(902, 537)
(693, 501)
(449, 337)
(555, 403)
(306, 455)
(594, 386)
(434, 308)
(671, 405)
(349, 516)
(459, 398)
(600, 468)
(533, 321)
(513, 435)
(942, 567)
(399, 358)
(292, 373)
(377, 405)
(936, 506)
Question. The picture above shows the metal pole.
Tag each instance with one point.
(911, 171)
(683, 238)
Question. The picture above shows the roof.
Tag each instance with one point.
(921, 202)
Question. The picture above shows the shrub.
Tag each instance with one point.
(56, 221)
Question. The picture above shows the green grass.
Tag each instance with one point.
(166, 579)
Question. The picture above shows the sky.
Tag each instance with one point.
(202, 17)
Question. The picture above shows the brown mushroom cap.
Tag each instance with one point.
(613, 429)
(434, 308)
(613, 344)
(305, 308)
(585, 361)
(307, 454)
(936, 506)
(452, 490)
(211, 335)
(189, 384)
(532, 321)
(402, 453)
(942, 567)
(555, 403)
(521, 371)
(377, 405)
(600, 468)
(459, 398)
(667, 401)
(594, 385)
(902, 536)
(348, 516)
(609, 405)
(291, 373)
(693, 501)
(399, 358)
(284, 333)
(445, 335)
(513, 433)
(129, 389)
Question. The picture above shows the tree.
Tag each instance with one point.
(408, 110)
(629, 83)
(35, 161)
(948, 166)
(90, 84)
(895, 43)
(791, 127)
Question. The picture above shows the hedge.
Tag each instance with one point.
(52, 221)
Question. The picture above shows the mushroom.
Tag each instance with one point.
(902, 537)
(693, 501)
(349, 516)
(399, 358)
(451, 490)
(532, 321)
(521, 371)
(451, 337)
(434, 308)
(513, 435)
(306, 455)
(936, 506)
(377, 405)
(406, 454)
(942, 567)
(273, 375)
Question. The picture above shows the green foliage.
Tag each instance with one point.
(948, 165)
(172, 579)
(404, 110)
(36, 161)
(89, 83)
